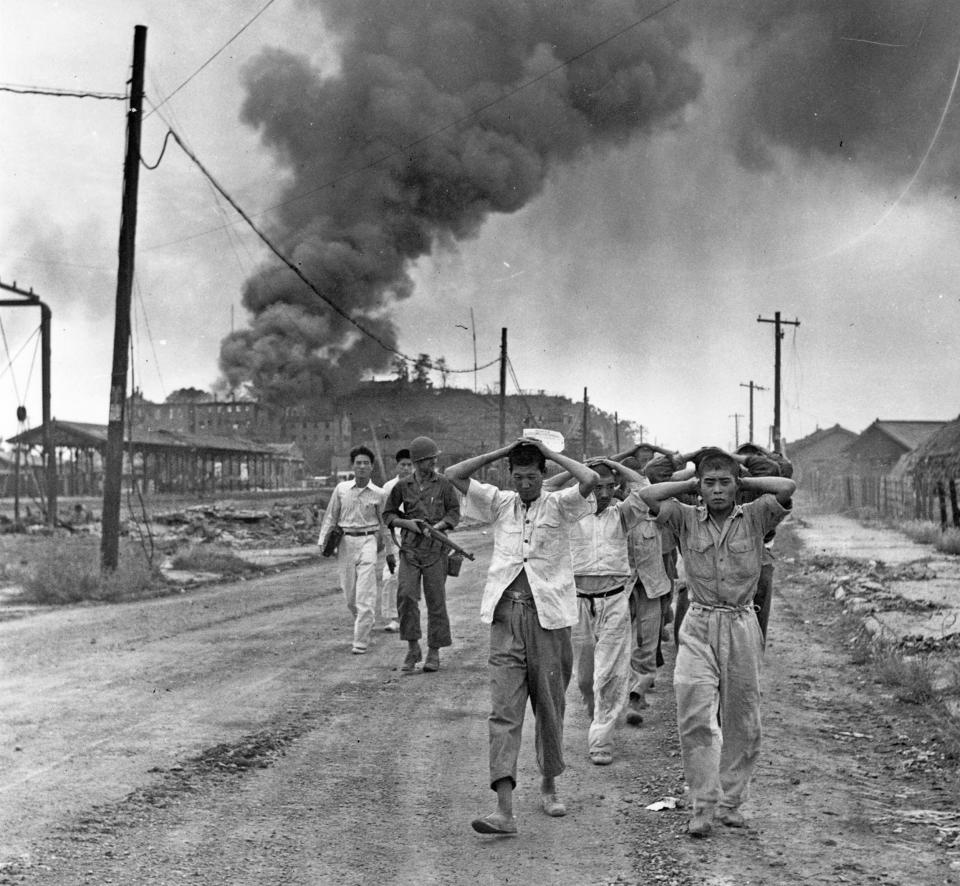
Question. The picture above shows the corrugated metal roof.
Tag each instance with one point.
(71, 433)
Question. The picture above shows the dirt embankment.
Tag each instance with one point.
(227, 736)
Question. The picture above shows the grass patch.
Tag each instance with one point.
(210, 558)
(59, 571)
(949, 541)
(910, 677)
(924, 532)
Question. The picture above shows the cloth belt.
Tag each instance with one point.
(704, 607)
(592, 597)
(373, 531)
(612, 593)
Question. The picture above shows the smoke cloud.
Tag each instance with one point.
(407, 73)
(861, 82)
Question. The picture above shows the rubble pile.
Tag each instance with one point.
(863, 586)
(281, 525)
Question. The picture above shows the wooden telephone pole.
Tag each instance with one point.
(777, 336)
(113, 462)
(586, 422)
(736, 416)
(753, 388)
(503, 387)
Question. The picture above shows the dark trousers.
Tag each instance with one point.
(430, 566)
(763, 598)
(527, 661)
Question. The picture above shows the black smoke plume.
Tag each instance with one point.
(408, 70)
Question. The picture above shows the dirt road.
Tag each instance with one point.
(227, 736)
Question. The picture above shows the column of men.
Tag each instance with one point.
(584, 567)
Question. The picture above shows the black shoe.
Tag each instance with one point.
(433, 660)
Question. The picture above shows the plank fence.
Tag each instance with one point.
(898, 499)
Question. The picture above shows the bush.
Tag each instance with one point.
(949, 541)
(67, 570)
(209, 558)
(923, 532)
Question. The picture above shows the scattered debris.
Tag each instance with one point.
(665, 803)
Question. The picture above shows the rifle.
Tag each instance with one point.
(437, 535)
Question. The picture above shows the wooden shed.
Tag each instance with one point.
(935, 466)
(167, 461)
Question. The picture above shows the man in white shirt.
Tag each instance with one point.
(387, 604)
(356, 506)
(530, 603)
(601, 569)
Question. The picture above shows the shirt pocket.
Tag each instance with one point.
(743, 560)
(699, 561)
(508, 539)
(549, 536)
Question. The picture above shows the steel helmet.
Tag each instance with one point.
(423, 447)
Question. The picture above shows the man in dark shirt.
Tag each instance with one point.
(426, 495)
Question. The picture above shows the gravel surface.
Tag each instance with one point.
(227, 736)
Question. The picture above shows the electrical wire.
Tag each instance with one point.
(163, 149)
(516, 384)
(6, 347)
(212, 57)
(402, 149)
(146, 323)
(62, 93)
(293, 267)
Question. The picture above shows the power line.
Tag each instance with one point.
(292, 266)
(212, 57)
(447, 126)
(61, 93)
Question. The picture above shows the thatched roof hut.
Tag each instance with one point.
(937, 459)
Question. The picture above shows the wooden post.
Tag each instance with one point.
(953, 504)
(942, 499)
(113, 469)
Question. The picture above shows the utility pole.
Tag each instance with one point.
(753, 388)
(473, 328)
(736, 416)
(49, 456)
(113, 461)
(503, 387)
(586, 422)
(777, 336)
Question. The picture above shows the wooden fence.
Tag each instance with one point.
(898, 499)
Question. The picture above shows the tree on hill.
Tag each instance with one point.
(421, 371)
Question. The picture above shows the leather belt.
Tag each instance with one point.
(360, 531)
(612, 593)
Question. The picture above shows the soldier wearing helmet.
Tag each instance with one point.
(425, 495)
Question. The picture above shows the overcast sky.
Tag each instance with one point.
(796, 157)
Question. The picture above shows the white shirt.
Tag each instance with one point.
(645, 545)
(598, 542)
(533, 538)
(353, 507)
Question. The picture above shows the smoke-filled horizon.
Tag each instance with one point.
(627, 217)
(827, 83)
(407, 70)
